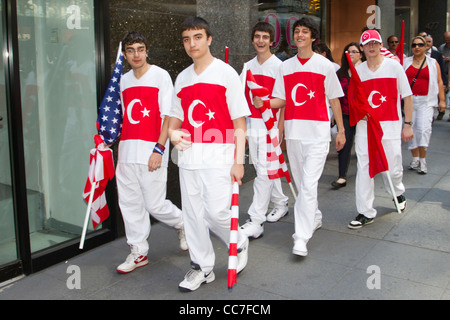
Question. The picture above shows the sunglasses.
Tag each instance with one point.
(420, 45)
(393, 41)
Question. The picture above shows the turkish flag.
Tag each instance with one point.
(305, 96)
(382, 97)
(142, 118)
(206, 114)
(267, 83)
(360, 107)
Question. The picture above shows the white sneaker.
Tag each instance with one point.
(134, 260)
(277, 213)
(242, 256)
(422, 169)
(300, 248)
(182, 238)
(252, 229)
(414, 165)
(194, 279)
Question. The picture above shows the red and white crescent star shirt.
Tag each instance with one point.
(306, 89)
(384, 88)
(265, 75)
(145, 102)
(207, 104)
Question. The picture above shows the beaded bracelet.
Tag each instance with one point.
(159, 148)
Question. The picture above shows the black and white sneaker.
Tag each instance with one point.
(401, 202)
(360, 221)
(194, 278)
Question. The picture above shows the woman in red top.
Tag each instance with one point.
(424, 76)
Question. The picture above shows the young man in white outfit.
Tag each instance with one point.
(207, 126)
(303, 85)
(141, 174)
(386, 83)
(264, 68)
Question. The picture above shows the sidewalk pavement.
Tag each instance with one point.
(400, 257)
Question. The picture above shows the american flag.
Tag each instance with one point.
(109, 121)
(101, 170)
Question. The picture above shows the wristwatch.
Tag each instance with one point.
(409, 122)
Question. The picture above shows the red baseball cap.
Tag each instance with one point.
(370, 35)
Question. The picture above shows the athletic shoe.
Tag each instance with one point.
(252, 230)
(277, 213)
(182, 238)
(422, 169)
(401, 202)
(194, 278)
(414, 165)
(300, 248)
(360, 221)
(242, 256)
(133, 261)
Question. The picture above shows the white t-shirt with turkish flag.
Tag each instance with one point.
(385, 88)
(145, 102)
(264, 75)
(306, 89)
(207, 103)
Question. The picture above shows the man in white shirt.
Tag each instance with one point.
(264, 68)
(141, 173)
(386, 82)
(207, 126)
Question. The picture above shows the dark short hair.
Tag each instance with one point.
(309, 23)
(264, 27)
(133, 37)
(195, 23)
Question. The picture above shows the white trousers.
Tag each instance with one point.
(206, 201)
(422, 119)
(365, 186)
(141, 193)
(307, 160)
(264, 189)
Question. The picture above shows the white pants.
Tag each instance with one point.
(206, 201)
(141, 193)
(365, 186)
(307, 160)
(264, 189)
(422, 119)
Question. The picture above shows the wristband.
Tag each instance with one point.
(408, 122)
(159, 148)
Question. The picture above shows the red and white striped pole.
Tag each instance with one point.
(232, 258)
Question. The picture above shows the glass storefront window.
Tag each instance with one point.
(8, 250)
(58, 86)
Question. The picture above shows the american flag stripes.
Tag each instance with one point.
(232, 260)
(109, 121)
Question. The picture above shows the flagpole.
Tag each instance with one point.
(393, 192)
(87, 216)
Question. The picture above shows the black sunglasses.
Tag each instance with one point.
(420, 45)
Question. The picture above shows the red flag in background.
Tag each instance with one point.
(101, 170)
(359, 108)
(401, 45)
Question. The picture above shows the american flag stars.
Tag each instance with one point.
(109, 121)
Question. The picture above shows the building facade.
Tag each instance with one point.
(56, 62)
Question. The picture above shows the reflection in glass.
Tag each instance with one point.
(58, 86)
(8, 252)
